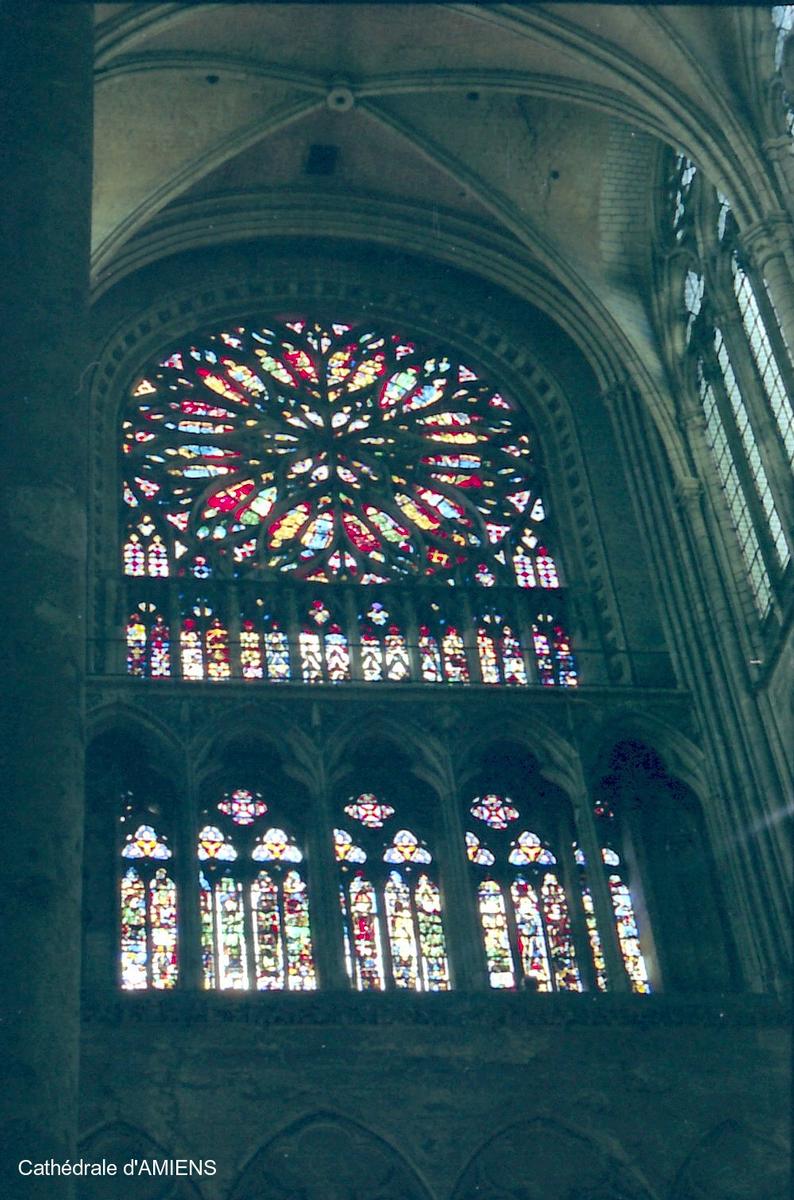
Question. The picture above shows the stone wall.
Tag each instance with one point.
(335, 1097)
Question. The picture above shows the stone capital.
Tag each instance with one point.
(687, 491)
(768, 237)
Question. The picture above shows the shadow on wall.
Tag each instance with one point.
(328, 1158)
(730, 1163)
(542, 1160)
(325, 1157)
(121, 1144)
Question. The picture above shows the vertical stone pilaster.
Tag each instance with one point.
(46, 107)
(323, 878)
(461, 919)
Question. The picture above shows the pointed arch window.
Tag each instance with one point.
(739, 377)
(298, 453)
(499, 650)
(391, 902)
(521, 900)
(254, 906)
(148, 643)
(755, 327)
(626, 923)
(324, 649)
(148, 904)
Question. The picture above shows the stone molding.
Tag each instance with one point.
(454, 1009)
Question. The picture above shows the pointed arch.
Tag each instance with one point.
(559, 1160)
(299, 1162)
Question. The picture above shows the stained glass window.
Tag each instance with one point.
(254, 906)
(148, 931)
(625, 919)
(499, 650)
(391, 907)
(367, 809)
(522, 904)
(331, 451)
(324, 649)
(328, 453)
(741, 461)
(626, 923)
(593, 935)
(554, 658)
(148, 643)
(783, 21)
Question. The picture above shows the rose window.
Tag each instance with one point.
(334, 452)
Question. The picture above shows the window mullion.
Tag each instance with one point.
(732, 496)
(765, 436)
(590, 845)
(573, 897)
(748, 482)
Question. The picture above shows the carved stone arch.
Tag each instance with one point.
(663, 832)
(514, 348)
(328, 1157)
(264, 724)
(422, 742)
(120, 1143)
(556, 756)
(128, 720)
(732, 1162)
(543, 1159)
(680, 755)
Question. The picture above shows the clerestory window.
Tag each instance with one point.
(740, 363)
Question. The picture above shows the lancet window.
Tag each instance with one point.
(148, 902)
(626, 924)
(739, 364)
(391, 901)
(254, 905)
(521, 899)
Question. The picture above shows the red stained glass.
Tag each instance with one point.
(496, 811)
(364, 457)
(369, 811)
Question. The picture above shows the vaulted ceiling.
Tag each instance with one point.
(520, 141)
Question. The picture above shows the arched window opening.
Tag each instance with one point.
(499, 650)
(738, 506)
(681, 178)
(664, 886)
(783, 20)
(391, 901)
(521, 893)
(148, 933)
(148, 643)
(763, 356)
(738, 368)
(254, 907)
(265, 459)
(625, 922)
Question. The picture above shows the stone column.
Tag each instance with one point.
(461, 916)
(46, 107)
